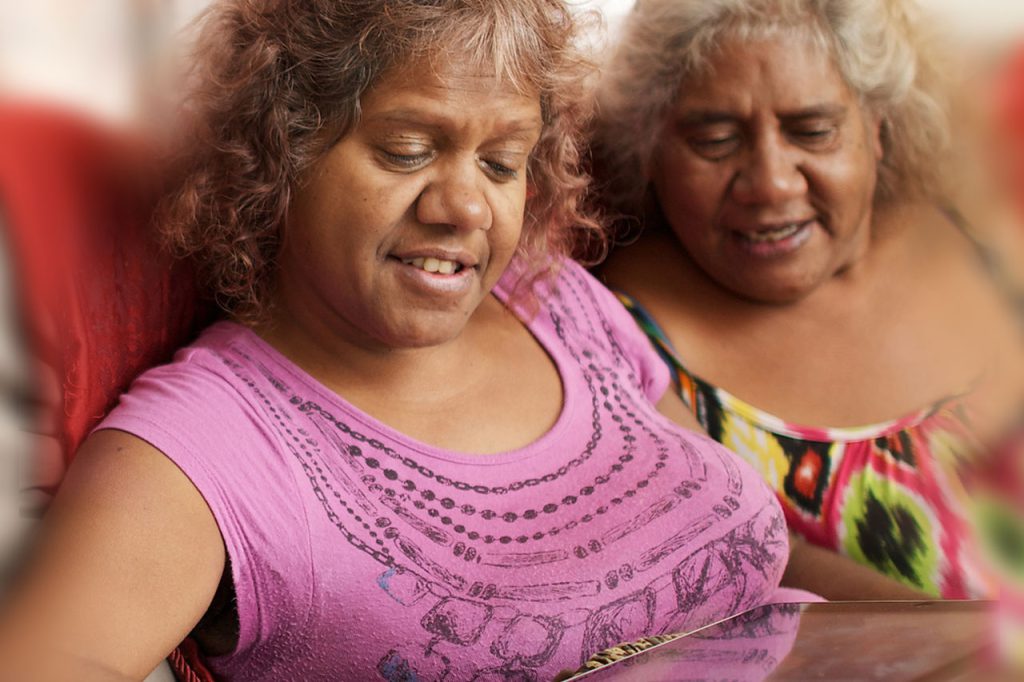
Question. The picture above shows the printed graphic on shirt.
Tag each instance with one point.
(558, 560)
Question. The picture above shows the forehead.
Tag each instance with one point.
(452, 90)
(785, 70)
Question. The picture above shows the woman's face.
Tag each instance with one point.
(766, 169)
(402, 229)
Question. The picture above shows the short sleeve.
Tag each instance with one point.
(199, 421)
(654, 375)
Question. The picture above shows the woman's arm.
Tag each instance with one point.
(810, 567)
(839, 578)
(128, 561)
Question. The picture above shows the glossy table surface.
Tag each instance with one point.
(931, 640)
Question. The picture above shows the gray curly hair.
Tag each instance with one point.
(882, 48)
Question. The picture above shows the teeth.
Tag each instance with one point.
(435, 265)
(774, 235)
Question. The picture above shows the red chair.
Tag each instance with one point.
(99, 302)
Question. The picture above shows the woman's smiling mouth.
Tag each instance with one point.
(435, 273)
(438, 265)
(774, 240)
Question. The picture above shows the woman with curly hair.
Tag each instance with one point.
(826, 313)
(423, 444)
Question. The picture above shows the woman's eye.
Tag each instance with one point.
(407, 160)
(715, 147)
(500, 170)
(815, 137)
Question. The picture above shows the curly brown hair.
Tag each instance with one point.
(275, 84)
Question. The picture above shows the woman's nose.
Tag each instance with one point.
(771, 174)
(455, 197)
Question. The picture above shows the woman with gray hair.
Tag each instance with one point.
(826, 313)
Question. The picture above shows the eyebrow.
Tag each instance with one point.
(523, 128)
(818, 111)
(696, 117)
(704, 116)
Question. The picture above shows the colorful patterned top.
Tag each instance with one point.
(886, 495)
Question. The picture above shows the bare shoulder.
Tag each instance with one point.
(128, 561)
(672, 406)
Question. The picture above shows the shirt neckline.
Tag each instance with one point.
(771, 423)
(540, 332)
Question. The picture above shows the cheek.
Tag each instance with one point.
(509, 211)
(695, 237)
(851, 183)
(682, 178)
(690, 202)
(385, 208)
(688, 194)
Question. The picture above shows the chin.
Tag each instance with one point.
(423, 333)
(772, 293)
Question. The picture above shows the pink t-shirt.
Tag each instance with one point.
(358, 553)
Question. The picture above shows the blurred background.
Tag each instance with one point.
(99, 55)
